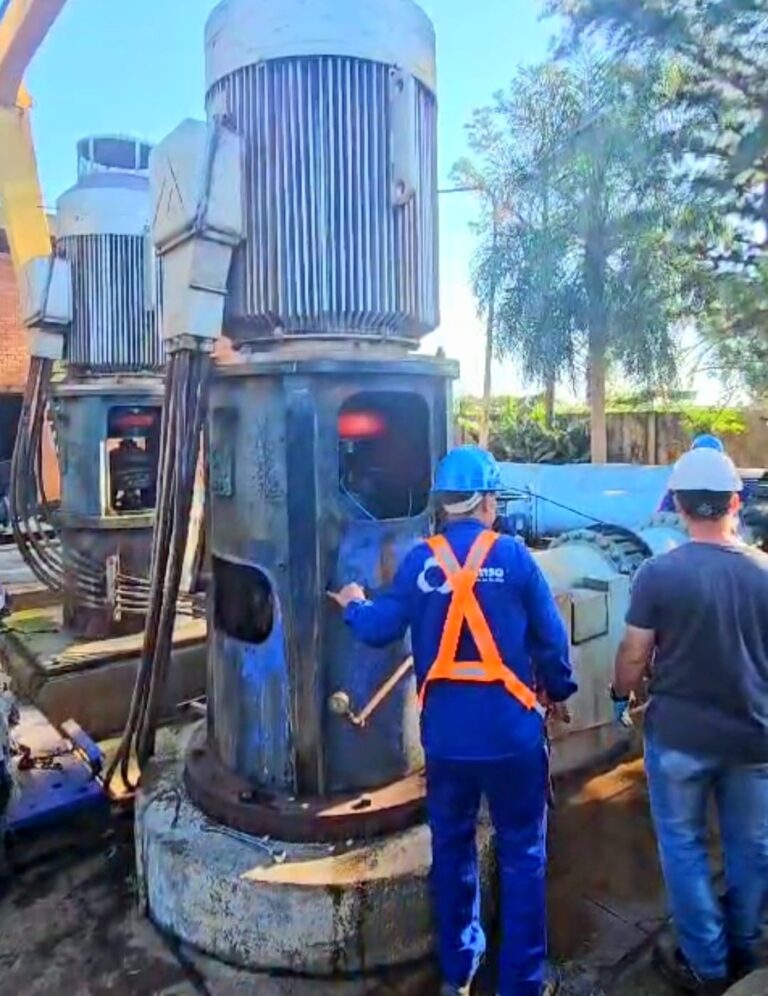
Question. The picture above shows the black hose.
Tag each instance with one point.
(27, 531)
(184, 410)
(187, 455)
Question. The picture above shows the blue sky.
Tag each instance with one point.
(136, 68)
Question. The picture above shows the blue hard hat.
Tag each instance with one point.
(708, 442)
(468, 470)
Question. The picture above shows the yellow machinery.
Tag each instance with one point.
(23, 26)
(100, 336)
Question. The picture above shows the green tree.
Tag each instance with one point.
(521, 247)
(716, 53)
(585, 266)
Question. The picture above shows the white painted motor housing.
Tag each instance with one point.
(335, 101)
(102, 227)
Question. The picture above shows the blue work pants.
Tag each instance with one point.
(516, 789)
(681, 787)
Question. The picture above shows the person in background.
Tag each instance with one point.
(701, 613)
(490, 652)
(703, 442)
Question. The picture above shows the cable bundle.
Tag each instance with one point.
(32, 518)
(184, 410)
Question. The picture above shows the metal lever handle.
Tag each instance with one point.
(341, 704)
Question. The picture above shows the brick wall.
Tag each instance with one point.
(14, 358)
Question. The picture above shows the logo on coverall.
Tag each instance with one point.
(432, 578)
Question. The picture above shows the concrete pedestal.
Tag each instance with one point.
(755, 985)
(304, 910)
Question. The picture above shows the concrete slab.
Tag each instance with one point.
(13, 569)
(91, 682)
(606, 892)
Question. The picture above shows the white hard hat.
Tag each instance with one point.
(705, 470)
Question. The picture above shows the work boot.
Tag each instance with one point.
(741, 964)
(675, 968)
(552, 982)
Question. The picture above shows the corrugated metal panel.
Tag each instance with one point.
(114, 327)
(327, 251)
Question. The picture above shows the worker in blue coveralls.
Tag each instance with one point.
(490, 653)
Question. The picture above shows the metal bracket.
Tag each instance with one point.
(87, 747)
(402, 96)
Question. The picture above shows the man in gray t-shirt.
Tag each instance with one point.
(700, 615)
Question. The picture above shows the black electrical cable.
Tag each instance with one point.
(122, 757)
(187, 452)
(184, 409)
(515, 495)
(33, 531)
(27, 531)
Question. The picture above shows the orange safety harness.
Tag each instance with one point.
(464, 607)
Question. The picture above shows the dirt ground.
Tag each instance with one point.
(69, 922)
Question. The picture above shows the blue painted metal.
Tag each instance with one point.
(369, 553)
(255, 679)
(555, 499)
(550, 499)
(278, 507)
(60, 783)
(82, 742)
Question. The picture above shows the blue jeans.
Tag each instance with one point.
(516, 790)
(681, 787)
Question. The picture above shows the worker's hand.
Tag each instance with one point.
(622, 707)
(348, 594)
(558, 711)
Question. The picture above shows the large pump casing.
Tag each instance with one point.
(287, 525)
(335, 102)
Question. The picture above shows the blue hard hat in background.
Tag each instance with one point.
(708, 442)
(468, 470)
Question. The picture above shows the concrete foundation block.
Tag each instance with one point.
(307, 910)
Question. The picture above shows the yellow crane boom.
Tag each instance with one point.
(23, 26)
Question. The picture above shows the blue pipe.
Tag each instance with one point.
(550, 499)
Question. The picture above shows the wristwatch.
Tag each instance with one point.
(618, 699)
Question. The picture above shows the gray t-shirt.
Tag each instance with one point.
(708, 605)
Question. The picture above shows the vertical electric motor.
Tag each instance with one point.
(107, 408)
(301, 222)
(321, 452)
(335, 101)
(102, 229)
